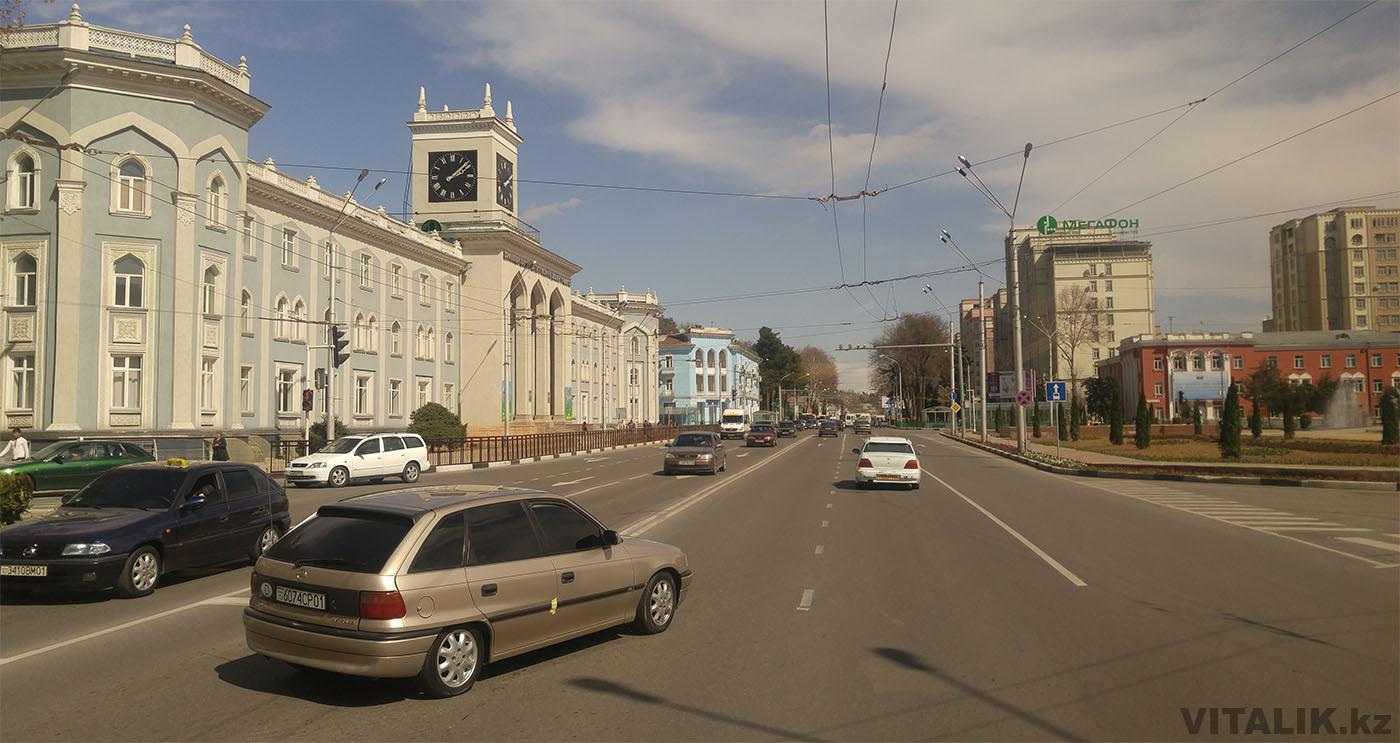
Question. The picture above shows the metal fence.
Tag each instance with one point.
(482, 449)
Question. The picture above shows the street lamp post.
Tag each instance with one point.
(330, 321)
(1013, 287)
(954, 352)
(982, 332)
(900, 371)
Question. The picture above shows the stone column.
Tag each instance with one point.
(68, 358)
(185, 325)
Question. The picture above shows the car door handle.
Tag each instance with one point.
(567, 577)
(489, 589)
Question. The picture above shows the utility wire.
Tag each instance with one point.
(874, 139)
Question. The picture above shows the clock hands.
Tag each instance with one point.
(458, 172)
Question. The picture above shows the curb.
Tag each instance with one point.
(530, 460)
(1381, 487)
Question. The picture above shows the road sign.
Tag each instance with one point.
(956, 407)
(1055, 391)
(952, 395)
(1023, 398)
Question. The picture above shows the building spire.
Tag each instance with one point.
(486, 109)
(422, 98)
(510, 114)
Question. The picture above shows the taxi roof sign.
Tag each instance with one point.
(176, 462)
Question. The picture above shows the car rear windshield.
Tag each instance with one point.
(345, 539)
(762, 428)
(693, 439)
(879, 447)
(131, 488)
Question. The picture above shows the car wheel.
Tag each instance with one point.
(139, 575)
(410, 472)
(658, 605)
(723, 466)
(453, 664)
(338, 477)
(266, 539)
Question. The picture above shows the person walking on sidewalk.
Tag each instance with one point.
(219, 447)
(17, 447)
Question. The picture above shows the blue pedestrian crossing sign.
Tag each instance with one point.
(1055, 391)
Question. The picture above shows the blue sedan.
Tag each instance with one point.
(134, 524)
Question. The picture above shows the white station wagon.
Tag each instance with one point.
(887, 459)
(370, 457)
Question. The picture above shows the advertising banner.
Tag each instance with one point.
(1001, 385)
(1201, 385)
(568, 403)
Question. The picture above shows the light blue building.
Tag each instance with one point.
(705, 371)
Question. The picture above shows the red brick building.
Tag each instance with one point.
(1166, 367)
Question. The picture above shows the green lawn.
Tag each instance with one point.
(1192, 450)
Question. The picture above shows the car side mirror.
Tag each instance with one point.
(58, 459)
(855, 451)
(611, 537)
(194, 503)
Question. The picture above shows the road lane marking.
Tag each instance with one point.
(638, 477)
(641, 526)
(595, 487)
(806, 603)
(599, 459)
(742, 454)
(828, 505)
(820, 549)
(1310, 527)
(826, 524)
(227, 601)
(573, 482)
(125, 625)
(1363, 541)
(1052, 562)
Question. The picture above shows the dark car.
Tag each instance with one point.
(65, 466)
(695, 452)
(761, 434)
(136, 523)
(829, 427)
(787, 428)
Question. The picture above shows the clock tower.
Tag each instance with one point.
(464, 164)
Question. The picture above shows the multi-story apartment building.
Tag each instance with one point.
(705, 371)
(1338, 270)
(159, 282)
(1115, 273)
(970, 324)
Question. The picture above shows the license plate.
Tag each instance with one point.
(25, 571)
(298, 597)
(887, 477)
(686, 461)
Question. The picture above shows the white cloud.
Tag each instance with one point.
(535, 213)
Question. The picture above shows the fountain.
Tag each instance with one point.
(1343, 409)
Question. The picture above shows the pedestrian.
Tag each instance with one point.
(219, 447)
(585, 426)
(17, 447)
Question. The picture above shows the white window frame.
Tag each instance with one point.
(396, 279)
(131, 197)
(395, 398)
(449, 399)
(23, 374)
(281, 314)
(209, 384)
(245, 313)
(123, 282)
(209, 292)
(299, 320)
(132, 381)
(216, 203)
(24, 187)
(396, 339)
(448, 297)
(366, 268)
(363, 395)
(449, 348)
(247, 389)
(25, 284)
(423, 392)
(289, 248)
(425, 289)
(286, 390)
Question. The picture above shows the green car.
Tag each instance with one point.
(70, 465)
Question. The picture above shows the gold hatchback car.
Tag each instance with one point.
(435, 582)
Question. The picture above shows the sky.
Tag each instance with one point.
(733, 97)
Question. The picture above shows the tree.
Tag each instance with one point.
(778, 364)
(1196, 416)
(318, 433)
(1230, 419)
(1115, 416)
(820, 369)
(1076, 414)
(1390, 417)
(1035, 419)
(1266, 385)
(435, 423)
(1062, 425)
(666, 326)
(1256, 420)
(1289, 424)
(1098, 396)
(1076, 326)
(1142, 426)
(925, 369)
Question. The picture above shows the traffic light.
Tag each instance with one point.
(338, 344)
(308, 400)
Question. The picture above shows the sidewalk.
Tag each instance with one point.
(1093, 457)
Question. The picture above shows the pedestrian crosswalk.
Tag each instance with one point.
(1258, 518)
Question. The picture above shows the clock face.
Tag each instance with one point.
(452, 176)
(505, 183)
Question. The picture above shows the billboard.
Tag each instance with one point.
(1001, 385)
(1201, 385)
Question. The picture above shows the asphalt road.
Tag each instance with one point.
(997, 602)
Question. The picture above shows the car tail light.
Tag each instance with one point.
(865, 463)
(254, 583)
(912, 464)
(381, 605)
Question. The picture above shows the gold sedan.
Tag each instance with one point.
(435, 582)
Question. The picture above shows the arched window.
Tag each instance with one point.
(699, 370)
(131, 186)
(209, 294)
(218, 201)
(359, 338)
(448, 296)
(245, 313)
(636, 346)
(26, 280)
(712, 369)
(723, 371)
(372, 334)
(432, 345)
(449, 349)
(281, 326)
(129, 273)
(299, 327)
(24, 181)
(420, 342)
(395, 338)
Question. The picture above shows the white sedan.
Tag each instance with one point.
(887, 459)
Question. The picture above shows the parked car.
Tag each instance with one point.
(761, 434)
(66, 466)
(135, 523)
(887, 459)
(695, 452)
(787, 428)
(829, 427)
(370, 457)
(433, 583)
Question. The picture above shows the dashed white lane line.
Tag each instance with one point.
(638, 477)
(1371, 543)
(1052, 562)
(820, 549)
(600, 459)
(595, 487)
(826, 524)
(1310, 527)
(806, 603)
(828, 505)
(215, 601)
(573, 482)
(741, 455)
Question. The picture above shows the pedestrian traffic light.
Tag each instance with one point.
(308, 400)
(338, 344)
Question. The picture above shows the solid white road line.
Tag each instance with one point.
(820, 549)
(828, 505)
(599, 459)
(826, 524)
(641, 526)
(1052, 562)
(125, 625)
(638, 477)
(741, 455)
(806, 603)
(573, 482)
(1371, 543)
(595, 487)
(1310, 527)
